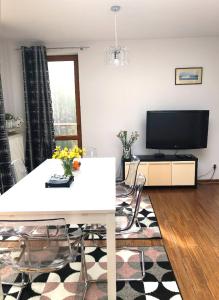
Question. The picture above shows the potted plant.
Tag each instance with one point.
(9, 118)
(67, 157)
(127, 142)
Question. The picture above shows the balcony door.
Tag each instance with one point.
(65, 93)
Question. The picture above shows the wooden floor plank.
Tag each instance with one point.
(189, 222)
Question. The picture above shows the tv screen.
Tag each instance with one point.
(177, 129)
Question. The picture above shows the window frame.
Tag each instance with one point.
(73, 58)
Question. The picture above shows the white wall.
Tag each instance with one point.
(12, 78)
(118, 98)
(114, 99)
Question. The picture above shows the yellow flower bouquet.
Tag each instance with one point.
(67, 156)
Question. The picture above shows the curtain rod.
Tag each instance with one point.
(60, 48)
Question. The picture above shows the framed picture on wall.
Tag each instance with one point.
(188, 75)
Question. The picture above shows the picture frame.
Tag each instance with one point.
(191, 75)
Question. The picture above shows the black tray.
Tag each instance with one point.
(59, 183)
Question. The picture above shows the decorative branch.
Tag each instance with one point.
(123, 136)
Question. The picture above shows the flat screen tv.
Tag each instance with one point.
(177, 129)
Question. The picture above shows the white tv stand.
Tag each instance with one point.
(168, 170)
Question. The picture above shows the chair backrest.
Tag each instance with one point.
(42, 245)
(19, 170)
(132, 171)
(91, 152)
(136, 200)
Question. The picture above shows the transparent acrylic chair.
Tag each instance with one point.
(125, 222)
(91, 152)
(19, 170)
(125, 187)
(39, 246)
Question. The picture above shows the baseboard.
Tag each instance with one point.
(207, 181)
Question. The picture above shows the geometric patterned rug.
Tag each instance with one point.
(146, 218)
(159, 281)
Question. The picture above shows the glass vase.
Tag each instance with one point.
(67, 166)
(127, 153)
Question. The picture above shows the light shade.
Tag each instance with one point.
(116, 56)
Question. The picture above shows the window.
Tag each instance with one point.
(64, 84)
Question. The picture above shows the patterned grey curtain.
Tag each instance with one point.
(40, 140)
(6, 180)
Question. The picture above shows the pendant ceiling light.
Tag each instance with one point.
(116, 55)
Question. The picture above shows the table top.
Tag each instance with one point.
(93, 189)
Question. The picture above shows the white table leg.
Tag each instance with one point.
(111, 257)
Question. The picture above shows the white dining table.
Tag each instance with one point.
(90, 199)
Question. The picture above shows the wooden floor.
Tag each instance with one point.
(189, 223)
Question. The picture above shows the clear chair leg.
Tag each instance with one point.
(84, 269)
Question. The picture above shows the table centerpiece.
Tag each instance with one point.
(70, 158)
(127, 142)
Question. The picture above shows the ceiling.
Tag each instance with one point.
(92, 20)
